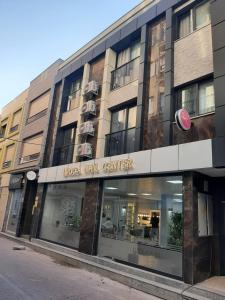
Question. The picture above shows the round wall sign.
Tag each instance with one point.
(183, 119)
(31, 175)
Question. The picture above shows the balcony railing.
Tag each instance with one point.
(37, 116)
(29, 158)
(63, 155)
(14, 128)
(125, 74)
(120, 142)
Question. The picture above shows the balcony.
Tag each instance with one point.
(120, 142)
(125, 74)
(63, 155)
(37, 116)
(29, 158)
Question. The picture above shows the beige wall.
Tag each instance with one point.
(39, 97)
(193, 56)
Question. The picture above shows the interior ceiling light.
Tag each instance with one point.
(174, 181)
(145, 194)
(178, 194)
(111, 188)
(131, 194)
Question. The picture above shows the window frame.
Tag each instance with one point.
(191, 10)
(196, 86)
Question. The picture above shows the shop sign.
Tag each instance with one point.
(106, 168)
(183, 119)
(15, 182)
(31, 175)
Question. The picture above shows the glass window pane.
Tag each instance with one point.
(135, 51)
(132, 114)
(15, 206)
(202, 15)
(188, 99)
(206, 98)
(118, 120)
(184, 25)
(62, 213)
(123, 57)
(144, 218)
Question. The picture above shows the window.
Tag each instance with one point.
(194, 19)
(64, 154)
(202, 15)
(31, 148)
(128, 54)
(3, 130)
(197, 99)
(38, 108)
(9, 154)
(122, 137)
(62, 213)
(144, 218)
(16, 121)
(127, 66)
(184, 25)
(73, 100)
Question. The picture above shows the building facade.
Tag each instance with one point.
(29, 154)
(119, 179)
(11, 118)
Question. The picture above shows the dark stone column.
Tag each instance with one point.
(188, 199)
(141, 90)
(37, 210)
(218, 36)
(91, 217)
(199, 253)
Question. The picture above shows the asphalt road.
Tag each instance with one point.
(26, 275)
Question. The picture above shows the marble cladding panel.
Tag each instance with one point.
(202, 128)
(90, 218)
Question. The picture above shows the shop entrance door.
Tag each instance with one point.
(26, 216)
(222, 236)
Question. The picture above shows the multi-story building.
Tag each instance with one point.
(29, 152)
(10, 123)
(120, 179)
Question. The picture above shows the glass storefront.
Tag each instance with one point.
(15, 207)
(62, 213)
(142, 222)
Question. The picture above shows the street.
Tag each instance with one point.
(25, 275)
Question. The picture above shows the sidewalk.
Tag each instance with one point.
(150, 283)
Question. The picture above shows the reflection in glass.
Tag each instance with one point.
(15, 206)
(142, 222)
(62, 213)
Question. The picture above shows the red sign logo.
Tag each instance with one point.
(183, 119)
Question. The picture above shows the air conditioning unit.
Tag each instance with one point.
(87, 128)
(84, 150)
(91, 88)
(89, 108)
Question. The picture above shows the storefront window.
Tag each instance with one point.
(15, 206)
(142, 222)
(62, 213)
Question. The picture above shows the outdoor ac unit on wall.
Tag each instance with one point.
(84, 150)
(86, 128)
(89, 108)
(91, 88)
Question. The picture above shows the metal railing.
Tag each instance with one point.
(37, 116)
(63, 155)
(120, 142)
(29, 158)
(125, 74)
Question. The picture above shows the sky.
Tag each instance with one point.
(35, 33)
